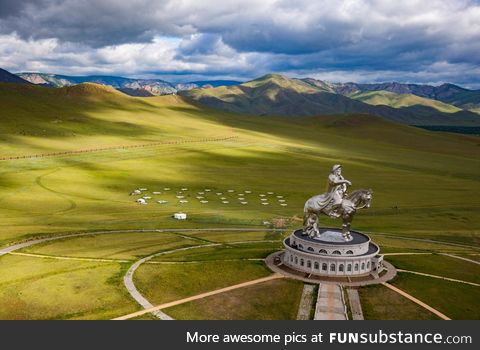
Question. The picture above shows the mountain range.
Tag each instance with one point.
(447, 93)
(277, 95)
(130, 86)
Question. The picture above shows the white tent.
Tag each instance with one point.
(180, 216)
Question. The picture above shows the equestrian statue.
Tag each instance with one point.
(336, 202)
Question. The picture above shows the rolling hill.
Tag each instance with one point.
(397, 100)
(7, 77)
(281, 96)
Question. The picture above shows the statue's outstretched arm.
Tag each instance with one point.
(340, 182)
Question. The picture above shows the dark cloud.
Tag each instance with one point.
(244, 38)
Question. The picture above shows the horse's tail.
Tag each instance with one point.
(306, 213)
(307, 207)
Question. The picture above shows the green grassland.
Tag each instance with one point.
(273, 300)
(422, 181)
(33, 288)
(161, 283)
(439, 265)
(237, 251)
(58, 264)
(474, 256)
(456, 300)
(397, 244)
(232, 236)
(129, 246)
(381, 303)
(424, 186)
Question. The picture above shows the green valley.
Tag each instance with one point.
(85, 148)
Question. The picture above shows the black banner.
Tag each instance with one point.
(240, 334)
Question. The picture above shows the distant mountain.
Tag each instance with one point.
(7, 77)
(448, 93)
(281, 96)
(136, 92)
(130, 86)
(463, 98)
(322, 85)
(216, 83)
(45, 79)
(153, 86)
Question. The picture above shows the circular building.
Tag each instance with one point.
(330, 255)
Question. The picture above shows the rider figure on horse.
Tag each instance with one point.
(335, 203)
(337, 188)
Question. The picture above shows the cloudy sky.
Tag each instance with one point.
(421, 41)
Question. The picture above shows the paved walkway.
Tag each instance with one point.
(440, 277)
(306, 302)
(461, 258)
(355, 305)
(199, 296)
(406, 253)
(444, 254)
(330, 303)
(139, 298)
(416, 301)
(59, 257)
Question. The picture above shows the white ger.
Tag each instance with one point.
(180, 216)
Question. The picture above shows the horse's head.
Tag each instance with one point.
(367, 198)
(361, 198)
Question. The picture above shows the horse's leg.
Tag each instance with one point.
(305, 222)
(347, 220)
(308, 224)
(315, 226)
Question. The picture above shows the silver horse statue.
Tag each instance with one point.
(336, 202)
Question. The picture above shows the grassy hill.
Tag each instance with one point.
(7, 77)
(401, 100)
(276, 95)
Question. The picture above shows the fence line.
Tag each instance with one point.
(152, 144)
